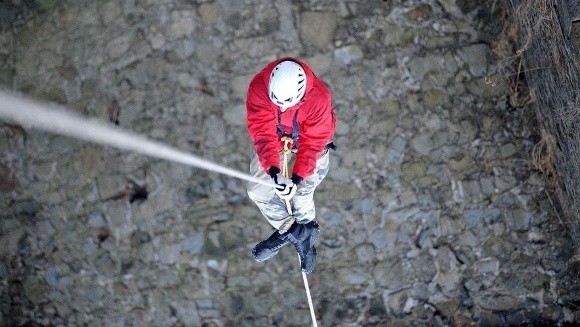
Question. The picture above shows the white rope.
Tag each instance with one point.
(304, 278)
(56, 119)
(312, 315)
(286, 173)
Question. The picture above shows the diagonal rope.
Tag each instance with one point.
(56, 119)
(286, 173)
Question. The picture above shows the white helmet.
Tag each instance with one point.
(287, 84)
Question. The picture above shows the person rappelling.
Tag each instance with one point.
(289, 107)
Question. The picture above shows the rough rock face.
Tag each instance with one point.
(430, 214)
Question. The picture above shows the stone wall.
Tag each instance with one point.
(430, 215)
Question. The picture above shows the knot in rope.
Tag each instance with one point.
(288, 141)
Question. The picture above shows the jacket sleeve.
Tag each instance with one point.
(316, 131)
(261, 121)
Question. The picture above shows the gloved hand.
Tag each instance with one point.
(286, 188)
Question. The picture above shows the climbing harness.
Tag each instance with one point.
(294, 134)
(288, 141)
(295, 128)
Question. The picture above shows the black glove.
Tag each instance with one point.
(296, 179)
(274, 171)
(286, 188)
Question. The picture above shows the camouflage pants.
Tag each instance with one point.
(273, 208)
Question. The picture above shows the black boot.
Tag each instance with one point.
(303, 237)
(269, 247)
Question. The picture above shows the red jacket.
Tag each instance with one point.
(315, 118)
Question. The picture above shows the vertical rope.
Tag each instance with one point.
(286, 173)
(285, 167)
(307, 288)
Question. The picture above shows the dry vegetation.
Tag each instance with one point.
(542, 66)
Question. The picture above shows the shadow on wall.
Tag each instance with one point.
(12, 11)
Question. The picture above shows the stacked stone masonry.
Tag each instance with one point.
(431, 213)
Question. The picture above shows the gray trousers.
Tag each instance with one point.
(273, 208)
